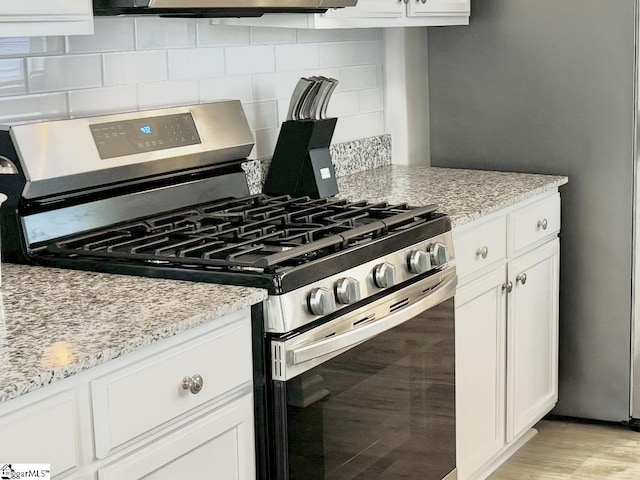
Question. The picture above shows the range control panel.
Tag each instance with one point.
(128, 137)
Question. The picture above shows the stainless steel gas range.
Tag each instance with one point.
(354, 347)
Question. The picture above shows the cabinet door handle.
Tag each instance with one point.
(404, 1)
(193, 384)
(507, 286)
(482, 252)
(522, 278)
(543, 224)
(423, 1)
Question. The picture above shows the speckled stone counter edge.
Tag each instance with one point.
(14, 390)
(55, 323)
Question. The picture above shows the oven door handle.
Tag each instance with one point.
(349, 339)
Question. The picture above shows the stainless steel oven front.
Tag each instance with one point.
(370, 394)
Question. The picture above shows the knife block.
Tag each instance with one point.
(301, 164)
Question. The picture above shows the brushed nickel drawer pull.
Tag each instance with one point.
(482, 252)
(507, 286)
(522, 278)
(193, 384)
(543, 224)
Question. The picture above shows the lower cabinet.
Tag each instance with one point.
(181, 407)
(506, 331)
(532, 338)
(218, 445)
(480, 371)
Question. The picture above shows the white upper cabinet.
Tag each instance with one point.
(45, 17)
(371, 14)
(439, 7)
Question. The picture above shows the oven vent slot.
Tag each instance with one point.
(330, 335)
(368, 318)
(277, 357)
(398, 305)
(427, 290)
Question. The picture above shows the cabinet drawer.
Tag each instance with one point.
(136, 400)
(44, 432)
(535, 222)
(480, 246)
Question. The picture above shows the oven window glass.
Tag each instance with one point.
(384, 409)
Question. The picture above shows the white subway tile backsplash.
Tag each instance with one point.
(296, 57)
(271, 86)
(33, 107)
(225, 88)
(221, 35)
(135, 67)
(268, 36)
(261, 115)
(98, 101)
(147, 62)
(283, 109)
(12, 79)
(112, 34)
(359, 126)
(154, 32)
(50, 74)
(265, 142)
(357, 78)
(350, 53)
(193, 64)
(167, 94)
(25, 46)
(248, 60)
(326, 72)
(342, 104)
(340, 35)
(371, 100)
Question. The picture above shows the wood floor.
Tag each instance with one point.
(575, 450)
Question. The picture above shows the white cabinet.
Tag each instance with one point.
(480, 370)
(43, 432)
(218, 445)
(46, 17)
(532, 346)
(506, 330)
(371, 14)
(132, 418)
(445, 8)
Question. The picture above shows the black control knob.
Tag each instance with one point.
(384, 275)
(347, 291)
(321, 302)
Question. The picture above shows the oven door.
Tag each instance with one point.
(370, 395)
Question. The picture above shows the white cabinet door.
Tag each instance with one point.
(216, 446)
(439, 7)
(45, 17)
(39, 8)
(480, 371)
(532, 343)
(371, 8)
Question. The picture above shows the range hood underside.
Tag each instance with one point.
(214, 8)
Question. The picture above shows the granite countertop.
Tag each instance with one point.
(55, 323)
(464, 195)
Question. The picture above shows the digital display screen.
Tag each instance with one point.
(128, 137)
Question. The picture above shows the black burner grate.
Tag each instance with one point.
(257, 232)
